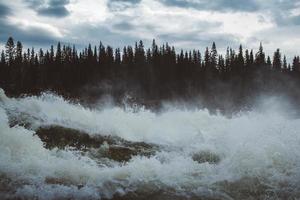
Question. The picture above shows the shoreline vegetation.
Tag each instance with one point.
(229, 82)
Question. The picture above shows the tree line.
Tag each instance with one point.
(155, 73)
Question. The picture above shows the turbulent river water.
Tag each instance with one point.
(197, 155)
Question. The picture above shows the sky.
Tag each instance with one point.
(185, 24)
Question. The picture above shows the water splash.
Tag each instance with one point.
(256, 152)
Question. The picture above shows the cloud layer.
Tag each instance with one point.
(51, 8)
(186, 24)
(216, 5)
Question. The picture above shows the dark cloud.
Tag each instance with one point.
(215, 5)
(34, 3)
(127, 1)
(33, 35)
(4, 10)
(50, 8)
(295, 20)
(280, 5)
(125, 28)
(54, 11)
(283, 19)
(280, 11)
(118, 5)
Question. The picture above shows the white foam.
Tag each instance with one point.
(253, 144)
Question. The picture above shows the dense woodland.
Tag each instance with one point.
(158, 73)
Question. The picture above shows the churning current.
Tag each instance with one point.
(124, 153)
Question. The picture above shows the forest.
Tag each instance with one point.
(224, 82)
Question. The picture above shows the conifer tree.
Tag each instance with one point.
(58, 57)
(240, 58)
(260, 56)
(251, 58)
(284, 65)
(2, 60)
(206, 58)
(19, 52)
(213, 55)
(277, 60)
(10, 51)
(296, 64)
(247, 58)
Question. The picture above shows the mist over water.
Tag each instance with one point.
(256, 152)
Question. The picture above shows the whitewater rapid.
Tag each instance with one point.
(258, 149)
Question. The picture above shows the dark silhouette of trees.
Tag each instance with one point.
(285, 65)
(19, 52)
(10, 50)
(296, 64)
(277, 63)
(260, 58)
(155, 73)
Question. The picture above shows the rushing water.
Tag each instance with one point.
(257, 153)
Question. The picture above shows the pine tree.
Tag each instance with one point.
(58, 57)
(90, 53)
(2, 58)
(139, 54)
(41, 56)
(251, 57)
(277, 60)
(296, 64)
(240, 58)
(10, 51)
(155, 53)
(117, 56)
(221, 64)
(95, 57)
(213, 55)
(199, 58)
(247, 58)
(260, 56)
(32, 56)
(19, 52)
(52, 54)
(149, 56)
(227, 59)
(130, 55)
(74, 55)
(36, 60)
(110, 55)
(207, 58)
(102, 54)
(28, 55)
(284, 65)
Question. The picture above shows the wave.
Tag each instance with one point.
(256, 153)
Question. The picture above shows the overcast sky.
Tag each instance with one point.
(185, 24)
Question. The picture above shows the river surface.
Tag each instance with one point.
(193, 154)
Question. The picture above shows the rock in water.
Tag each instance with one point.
(206, 156)
(99, 146)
